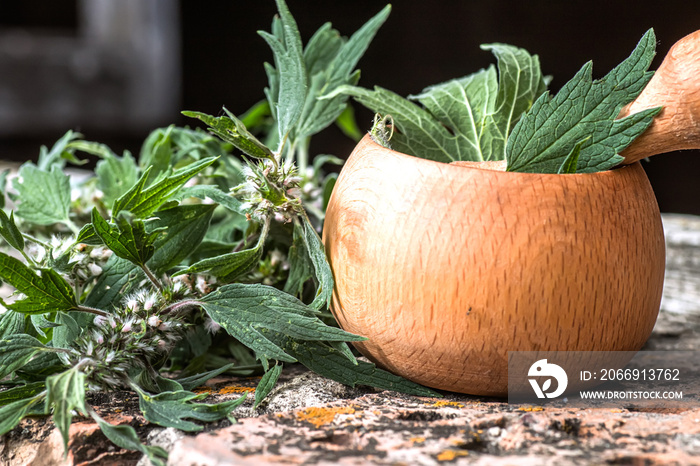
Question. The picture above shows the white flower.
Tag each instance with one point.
(94, 269)
(154, 321)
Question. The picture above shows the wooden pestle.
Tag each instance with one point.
(675, 87)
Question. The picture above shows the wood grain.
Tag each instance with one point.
(446, 268)
(675, 87)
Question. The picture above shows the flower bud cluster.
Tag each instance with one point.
(132, 337)
(270, 190)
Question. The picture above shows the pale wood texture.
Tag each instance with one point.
(676, 87)
(445, 268)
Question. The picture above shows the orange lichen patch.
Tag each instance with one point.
(415, 440)
(223, 391)
(235, 389)
(444, 403)
(531, 408)
(319, 416)
(451, 455)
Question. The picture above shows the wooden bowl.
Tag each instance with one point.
(446, 268)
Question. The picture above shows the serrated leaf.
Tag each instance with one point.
(11, 322)
(115, 175)
(287, 80)
(21, 392)
(186, 227)
(87, 235)
(65, 392)
(43, 197)
(322, 269)
(227, 267)
(468, 118)
(142, 202)
(329, 362)
(207, 191)
(173, 409)
(547, 134)
(194, 381)
(43, 365)
(17, 350)
(118, 277)
(45, 292)
(127, 240)
(249, 311)
(11, 414)
(65, 334)
(125, 436)
(232, 130)
(9, 231)
(267, 383)
(330, 61)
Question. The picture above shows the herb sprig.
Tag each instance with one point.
(126, 279)
(512, 117)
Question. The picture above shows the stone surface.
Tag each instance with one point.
(311, 420)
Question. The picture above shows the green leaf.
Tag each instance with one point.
(45, 292)
(248, 312)
(65, 393)
(11, 322)
(11, 414)
(125, 436)
(550, 130)
(16, 351)
(3, 186)
(87, 235)
(227, 267)
(186, 226)
(68, 330)
(21, 392)
(232, 130)
(267, 383)
(322, 269)
(115, 175)
(194, 381)
(571, 162)
(301, 269)
(287, 80)
(43, 197)
(127, 240)
(142, 201)
(9, 231)
(204, 191)
(43, 365)
(468, 118)
(48, 159)
(183, 228)
(118, 277)
(330, 61)
(329, 362)
(421, 134)
(172, 409)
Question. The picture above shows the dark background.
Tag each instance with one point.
(422, 43)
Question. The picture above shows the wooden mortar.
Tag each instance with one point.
(446, 267)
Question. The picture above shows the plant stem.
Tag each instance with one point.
(91, 310)
(182, 305)
(152, 277)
